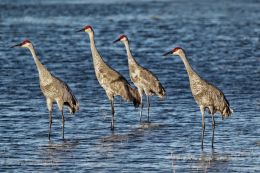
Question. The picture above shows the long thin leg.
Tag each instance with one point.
(113, 114)
(141, 108)
(142, 105)
(49, 106)
(212, 142)
(63, 123)
(141, 111)
(50, 123)
(213, 124)
(213, 130)
(148, 108)
(202, 110)
(213, 121)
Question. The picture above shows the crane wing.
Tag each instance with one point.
(150, 82)
(59, 89)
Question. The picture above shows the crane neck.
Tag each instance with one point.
(187, 65)
(130, 57)
(97, 59)
(44, 74)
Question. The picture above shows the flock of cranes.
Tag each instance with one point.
(206, 95)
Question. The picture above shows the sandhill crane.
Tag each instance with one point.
(113, 82)
(144, 80)
(205, 94)
(54, 89)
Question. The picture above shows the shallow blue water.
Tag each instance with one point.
(221, 40)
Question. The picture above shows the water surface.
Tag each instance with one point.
(221, 40)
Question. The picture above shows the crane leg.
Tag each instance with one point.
(63, 123)
(213, 121)
(212, 114)
(213, 125)
(113, 114)
(148, 108)
(213, 130)
(49, 106)
(142, 105)
(50, 123)
(141, 111)
(212, 142)
(202, 110)
(60, 105)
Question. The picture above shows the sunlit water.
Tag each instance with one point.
(222, 43)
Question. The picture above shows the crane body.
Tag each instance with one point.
(143, 79)
(206, 95)
(53, 88)
(111, 81)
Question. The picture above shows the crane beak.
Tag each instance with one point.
(167, 53)
(20, 44)
(81, 30)
(117, 40)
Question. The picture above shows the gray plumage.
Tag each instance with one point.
(206, 95)
(112, 82)
(54, 89)
(143, 79)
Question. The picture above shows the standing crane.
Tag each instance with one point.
(112, 81)
(144, 80)
(205, 94)
(54, 89)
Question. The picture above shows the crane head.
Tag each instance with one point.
(175, 51)
(25, 43)
(87, 28)
(121, 38)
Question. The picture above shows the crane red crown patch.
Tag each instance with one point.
(176, 48)
(25, 41)
(122, 36)
(88, 27)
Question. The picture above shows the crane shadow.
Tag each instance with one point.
(212, 159)
(202, 162)
(107, 144)
(65, 145)
(135, 133)
(53, 153)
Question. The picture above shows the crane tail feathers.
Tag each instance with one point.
(227, 112)
(72, 104)
(162, 93)
(232, 111)
(135, 97)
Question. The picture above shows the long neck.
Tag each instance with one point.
(130, 57)
(187, 65)
(44, 74)
(97, 60)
